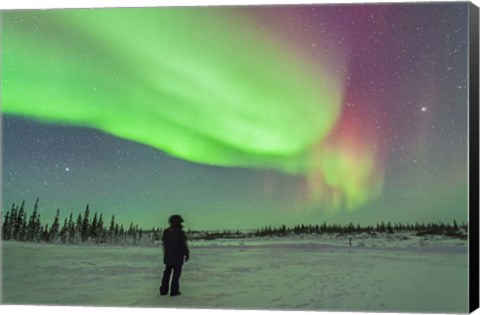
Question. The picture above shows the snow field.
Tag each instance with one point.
(271, 274)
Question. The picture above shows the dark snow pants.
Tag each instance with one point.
(177, 271)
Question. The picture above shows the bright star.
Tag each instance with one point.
(424, 109)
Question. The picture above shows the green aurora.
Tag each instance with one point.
(172, 79)
(196, 84)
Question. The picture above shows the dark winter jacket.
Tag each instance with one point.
(175, 248)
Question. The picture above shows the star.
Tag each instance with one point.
(67, 169)
(424, 109)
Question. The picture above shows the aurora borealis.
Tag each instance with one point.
(230, 104)
(238, 117)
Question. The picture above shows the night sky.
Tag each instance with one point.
(238, 117)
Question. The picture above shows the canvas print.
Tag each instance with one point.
(281, 157)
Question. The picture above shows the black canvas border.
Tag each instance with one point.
(473, 224)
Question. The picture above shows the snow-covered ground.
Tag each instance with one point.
(374, 274)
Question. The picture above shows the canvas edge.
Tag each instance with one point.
(473, 110)
(473, 159)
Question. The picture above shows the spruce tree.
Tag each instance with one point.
(117, 232)
(6, 226)
(31, 226)
(44, 234)
(13, 221)
(121, 233)
(34, 227)
(19, 223)
(93, 233)
(100, 229)
(351, 228)
(389, 228)
(85, 225)
(22, 232)
(64, 232)
(37, 229)
(130, 229)
(78, 227)
(455, 226)
(71, 229)
(54, 230)
(111, 230)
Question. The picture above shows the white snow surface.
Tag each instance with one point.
(381, 274)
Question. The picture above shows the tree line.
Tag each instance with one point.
(419, 229)
(18, 225)
(85, 228)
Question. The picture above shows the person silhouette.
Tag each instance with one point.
(175, 253)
